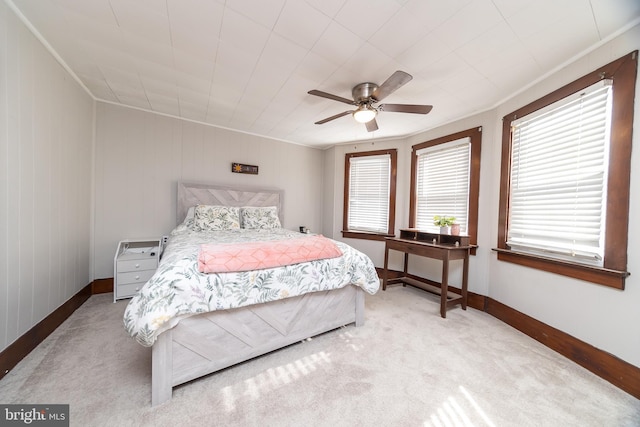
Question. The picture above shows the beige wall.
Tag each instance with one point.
(46, 134)
(608, 319)
(140, 157)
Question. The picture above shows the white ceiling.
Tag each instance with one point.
(248, 64)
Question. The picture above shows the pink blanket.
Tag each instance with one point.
(219, 258)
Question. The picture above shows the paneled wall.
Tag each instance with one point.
(46, 133)
(140, 157)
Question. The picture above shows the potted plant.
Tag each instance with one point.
(444, 222)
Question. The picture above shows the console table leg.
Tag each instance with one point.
(385, 271)
(406, 267)
(444, 286)
(465, 278)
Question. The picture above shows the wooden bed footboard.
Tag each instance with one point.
(203, 344)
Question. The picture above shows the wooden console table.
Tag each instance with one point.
(431, 245)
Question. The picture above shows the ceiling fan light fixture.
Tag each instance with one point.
(364, 114)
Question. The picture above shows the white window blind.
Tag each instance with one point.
(442, 183)
(369, 187)
(559, 167)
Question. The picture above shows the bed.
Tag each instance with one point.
(198, 323)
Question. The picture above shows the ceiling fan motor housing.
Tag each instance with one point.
(363, 93)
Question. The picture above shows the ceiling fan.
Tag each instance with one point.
(365, 95)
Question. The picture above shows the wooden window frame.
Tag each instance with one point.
(623, 72)
(356, 234)
(475, 139)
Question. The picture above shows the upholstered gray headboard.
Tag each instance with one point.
(192, 194)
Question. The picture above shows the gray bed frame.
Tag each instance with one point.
(208, 342)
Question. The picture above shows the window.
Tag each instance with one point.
(558, 177)
(562, 208)
(370, 194)
(445, 180)
(442, 184)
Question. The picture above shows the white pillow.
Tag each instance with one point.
(213, 218)
(191, 212)
(260, 217)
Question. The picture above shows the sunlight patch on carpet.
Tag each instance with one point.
(477, 407)
(452, 414)
(347, 338)
(273, 378)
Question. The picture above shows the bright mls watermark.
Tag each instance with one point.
(34, 415)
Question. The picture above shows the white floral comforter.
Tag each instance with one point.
(178, 289)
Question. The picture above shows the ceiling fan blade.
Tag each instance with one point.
(406, 108)
(337, 116)
(372, 125)
(393, 83)
(330, 96)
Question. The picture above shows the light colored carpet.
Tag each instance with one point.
(405, 367)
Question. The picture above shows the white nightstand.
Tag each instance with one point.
(135, 262)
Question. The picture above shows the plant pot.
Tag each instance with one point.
(445, 230)
(455, 229)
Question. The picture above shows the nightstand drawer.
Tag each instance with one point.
(126, 291)
(137, 264)
(135, 277)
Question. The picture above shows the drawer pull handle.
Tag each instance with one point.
(137, 277)
(137, 265)
(137, 289)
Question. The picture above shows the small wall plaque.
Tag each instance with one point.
(240, 168)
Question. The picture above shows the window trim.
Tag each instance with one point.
(623, 72)
(356, 234)
(475, 139)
